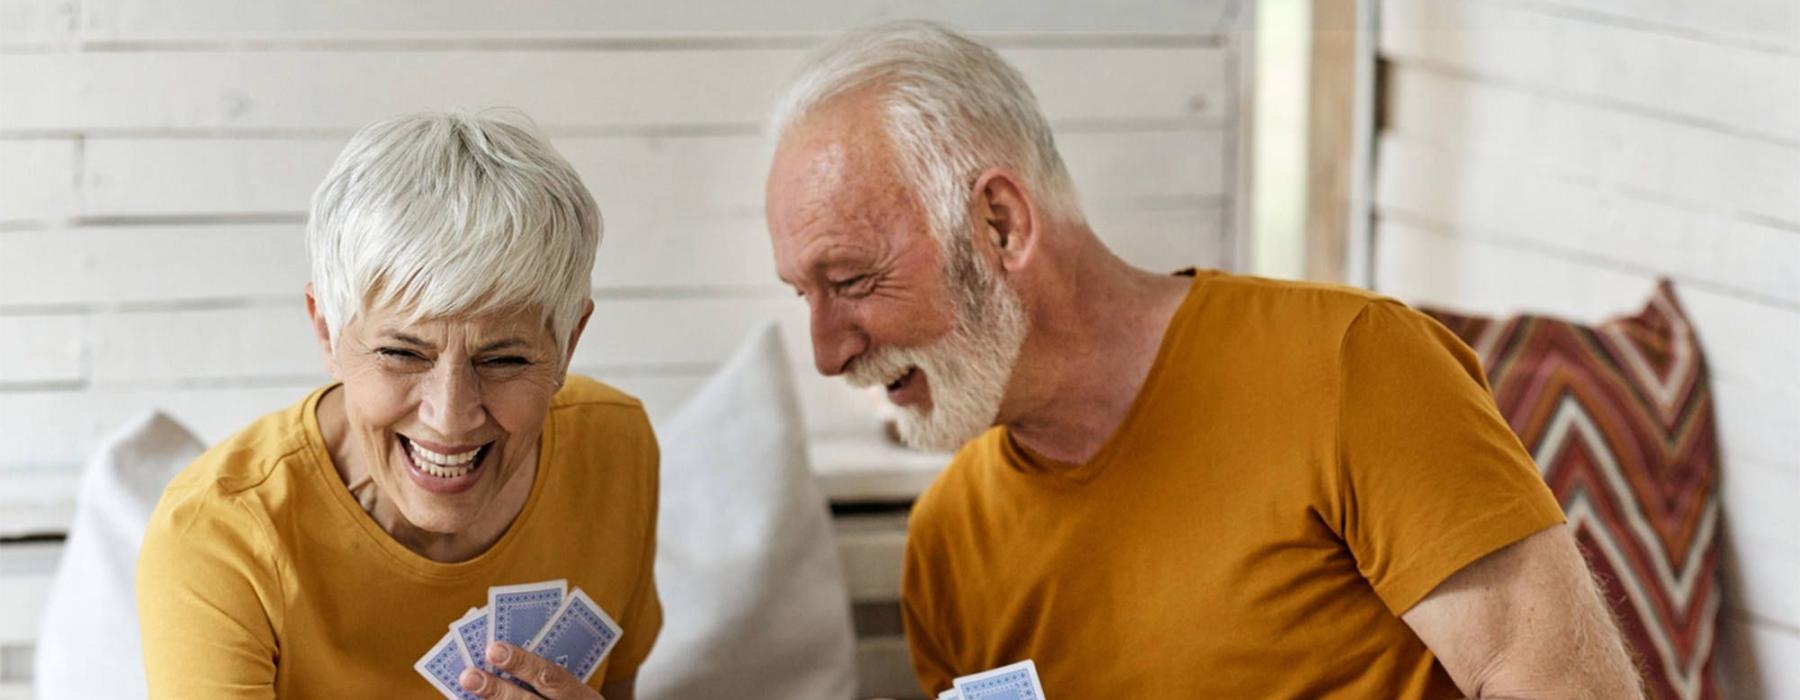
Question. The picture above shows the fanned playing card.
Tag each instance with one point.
(1010, 682)
(578, 637)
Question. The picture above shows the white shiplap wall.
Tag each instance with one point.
(156, 158)
(1558, 155)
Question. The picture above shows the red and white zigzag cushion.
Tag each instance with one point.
(1619, 417)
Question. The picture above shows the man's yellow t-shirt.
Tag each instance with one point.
(1303, 464)
(262, 577)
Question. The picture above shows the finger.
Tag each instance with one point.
(487, 685)
(550, 680)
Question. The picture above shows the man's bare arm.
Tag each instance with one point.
(1527, 622)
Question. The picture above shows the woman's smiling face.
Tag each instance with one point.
(443, 413)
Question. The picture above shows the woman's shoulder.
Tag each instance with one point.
(249, 460)
(595, 404)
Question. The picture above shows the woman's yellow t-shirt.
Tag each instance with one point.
(261, 577)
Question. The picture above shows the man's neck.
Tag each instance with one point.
(1093, 343)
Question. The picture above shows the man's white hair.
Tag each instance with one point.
(443, 214)
(953, 108)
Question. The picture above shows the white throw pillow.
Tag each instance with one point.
(88, 645)
(753, 593)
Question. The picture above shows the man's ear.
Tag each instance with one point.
(587, 311)
(321, 333)
(1004, 218)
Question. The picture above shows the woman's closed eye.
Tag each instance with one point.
(399, 354)
(505, 361)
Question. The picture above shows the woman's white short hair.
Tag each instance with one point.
(444, 214)
(953, 109)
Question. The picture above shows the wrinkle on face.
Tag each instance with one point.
(838, 210)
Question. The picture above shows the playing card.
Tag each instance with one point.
(578, 636)
(1010, 682)
(471, 631)
(443, 665)
(517, 612)
(949, 694)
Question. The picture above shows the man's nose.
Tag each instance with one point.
(835, 340)
(452, 402)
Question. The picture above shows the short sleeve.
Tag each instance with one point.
(1430, 478)
(643, 618)
(204, 584)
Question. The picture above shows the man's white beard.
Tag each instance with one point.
(967, 369)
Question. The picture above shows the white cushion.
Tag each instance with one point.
(753, 592)
(88, 644)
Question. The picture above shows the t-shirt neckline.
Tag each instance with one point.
(1025, 461)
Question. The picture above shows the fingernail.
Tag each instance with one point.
(498, 653)
(471, 680)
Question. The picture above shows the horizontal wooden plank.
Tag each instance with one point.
(107, 265)
(43, 349)
(36, 502)
(314, 90)
(630, 177)
(1421, 266)
(223, 19)
(58, 429)
(1564, 210)
(1756, 660)
(37, 178)
(1763, 561)
(1689, 166)
(1772, 24)
(1655, 72)
(884, 669)
(110, 265)
(38, 21)
(1745, 340)
(23, 592)
(872, 549)
(1755, 417)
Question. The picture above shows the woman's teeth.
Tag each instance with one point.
(441, 465)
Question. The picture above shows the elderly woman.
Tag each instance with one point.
(323, 551)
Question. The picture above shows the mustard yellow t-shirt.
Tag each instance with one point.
(1303, 464)
(262, 577)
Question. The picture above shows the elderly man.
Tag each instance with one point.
(1194, 485)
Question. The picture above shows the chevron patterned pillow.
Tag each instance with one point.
(1619, 417)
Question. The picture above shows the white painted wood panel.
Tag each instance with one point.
(683, 175)
(1727, 86)
(58, 429)
(187, 19)
(641, 89)
(1745, 341)
(159, 264)
(1758, 659)
(1756, 417)
(1691, 166)
(42, 349)
(1568, 211)
(873, 549)
(214, 263)
(1769, 24)
(37, 178)
(38, 21)
(1763, 566)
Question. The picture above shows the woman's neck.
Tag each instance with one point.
(353, 471)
